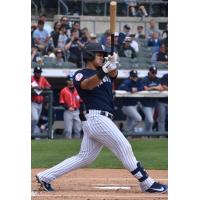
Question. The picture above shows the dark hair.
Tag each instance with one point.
(40, 22)
(55, 24)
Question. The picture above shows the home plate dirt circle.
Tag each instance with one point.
(97, 184)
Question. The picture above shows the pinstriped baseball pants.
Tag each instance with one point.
(99, 131)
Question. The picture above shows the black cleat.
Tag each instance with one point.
(157, 188)
(45, 186)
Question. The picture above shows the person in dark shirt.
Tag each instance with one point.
(75, 46)
(124, 34)
(161, 56)
(131, 84)
(150, 83)
(126, 50)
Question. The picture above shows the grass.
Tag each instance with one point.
(151, 152)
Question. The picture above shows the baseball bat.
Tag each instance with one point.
(113, 8)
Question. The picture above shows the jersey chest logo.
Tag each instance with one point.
(104, 80)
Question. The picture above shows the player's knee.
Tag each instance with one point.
(150, 120)
(86, 158)
(138, 119)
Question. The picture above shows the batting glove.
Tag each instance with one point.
(113, 58)
(109, 66)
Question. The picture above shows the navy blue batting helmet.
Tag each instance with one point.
(69, 77)
(91, 49)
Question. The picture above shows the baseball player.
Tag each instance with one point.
(131, 84)
(163, 105)
(70, 100)
(38, 84)
(94, 85)
(150, 83)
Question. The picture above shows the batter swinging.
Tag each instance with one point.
(94, 85)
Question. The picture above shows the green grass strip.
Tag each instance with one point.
(152, 153)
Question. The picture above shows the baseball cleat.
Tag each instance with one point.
(45, 186)
(157, 188)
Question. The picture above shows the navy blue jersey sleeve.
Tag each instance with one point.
(139, 85)
(125, 85)
(79, 76)
(164, 80)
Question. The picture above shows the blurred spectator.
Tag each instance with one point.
(34, 53)
(62, 39)
(55, 33)
(93, 38)
(104, 37)
(134, 43)
(47, 27)
(165, 37)
(74, 45)
(140, 34)
(150, 83)
(41, 37)
(70, 100)
(107, 47)
(135, 9)
(38, 84)
(65, 21)
(154, 42)
(85, 36)
(126, 50)
(33, 28)
(163, 105)
(131, 84)
(123, 34)
(59, 59)
(50, 53)
(165, 32)
(152, 28)
(161, 56)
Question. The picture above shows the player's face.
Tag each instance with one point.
(98, 61)
(70, 84)
(152, 75)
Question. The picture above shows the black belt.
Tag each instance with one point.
(104, 113)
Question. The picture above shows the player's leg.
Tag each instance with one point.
(36, 110)
(76, 124)
(133, 117)
(162, 110)
(88, 153)
(68, 123)
(107, 133)
(148, 112)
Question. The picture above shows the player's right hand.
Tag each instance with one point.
(109, 66)
(113, 58)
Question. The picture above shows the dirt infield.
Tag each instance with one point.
(98, 184)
